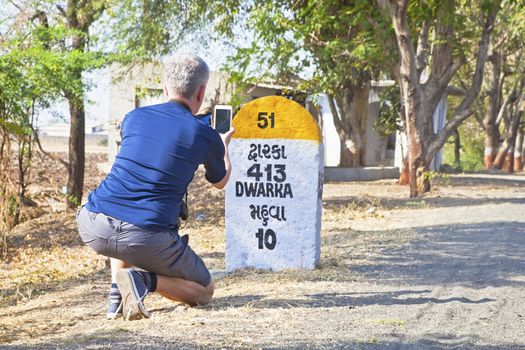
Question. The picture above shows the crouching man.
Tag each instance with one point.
(133, 216)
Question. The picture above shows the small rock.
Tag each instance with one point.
(180, 308)
(200, 216)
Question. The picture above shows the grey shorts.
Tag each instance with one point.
(165, 253)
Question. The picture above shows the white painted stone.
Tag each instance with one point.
(297, 234)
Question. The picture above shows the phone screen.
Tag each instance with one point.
(222, 120)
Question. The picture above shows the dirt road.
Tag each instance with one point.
(445, 271)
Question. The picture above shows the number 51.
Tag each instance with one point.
(263, 117)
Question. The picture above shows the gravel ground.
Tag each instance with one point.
(445, 271)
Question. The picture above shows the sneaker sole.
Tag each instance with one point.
(115, 314)
(132, 307)
(112, 316)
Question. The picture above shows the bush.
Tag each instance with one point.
(103, 142)
(472, 147)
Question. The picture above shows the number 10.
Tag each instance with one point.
(267, 239)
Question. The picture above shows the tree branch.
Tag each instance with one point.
(92, 16)
(52, 156)
(451, 71)
(317, 41)
(501, 112)
(61, 10)
(422, 48)
(16, 5)
(333, 109)
(462, 112)
(478, 114)
(408, 71)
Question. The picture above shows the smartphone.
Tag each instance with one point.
(222, 118)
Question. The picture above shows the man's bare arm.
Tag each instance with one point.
(227, 164)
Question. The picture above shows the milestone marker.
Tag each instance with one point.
(273, 198)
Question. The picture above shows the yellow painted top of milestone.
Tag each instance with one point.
(275, 117)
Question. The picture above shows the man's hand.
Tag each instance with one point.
(227, 137)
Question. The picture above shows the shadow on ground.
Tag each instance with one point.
(470, 255)
(432, 200)
(121, 339)
(425, 202)
(331, 300)
(487, 179)
(473, 255)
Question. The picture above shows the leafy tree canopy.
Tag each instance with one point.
(320, 45)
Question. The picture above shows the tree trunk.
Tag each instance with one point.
(75, 182)
(419, 183)
(350, 120)
(404, 177)
(499, 160)
(518, 153)
(463, 111)
(358, 122)
(508, 163)
(505, 157)
(491, 145)
(457, 150)
(411, 91)
(350, 150)
(523, 153)
(421, 99)
(489, 121)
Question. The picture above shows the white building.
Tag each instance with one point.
(62, 129)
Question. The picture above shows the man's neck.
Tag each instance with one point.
(182, 101)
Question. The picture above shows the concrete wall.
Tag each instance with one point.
(91, 139)
(335, 174)
(377, 153)
(332, 146)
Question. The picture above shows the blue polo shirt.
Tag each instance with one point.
(162, 146)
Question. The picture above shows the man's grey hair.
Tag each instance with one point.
(184, 73)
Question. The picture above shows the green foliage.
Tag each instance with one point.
(430, 175)
(103, 142)
(72, 199)
(25, 83)
(144, 30)
(389, 119)
(12, 205)
(142, 92)
(318, 46)
(472, 148)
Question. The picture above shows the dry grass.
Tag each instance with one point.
(48, 268)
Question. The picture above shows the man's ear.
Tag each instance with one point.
(200, 93)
